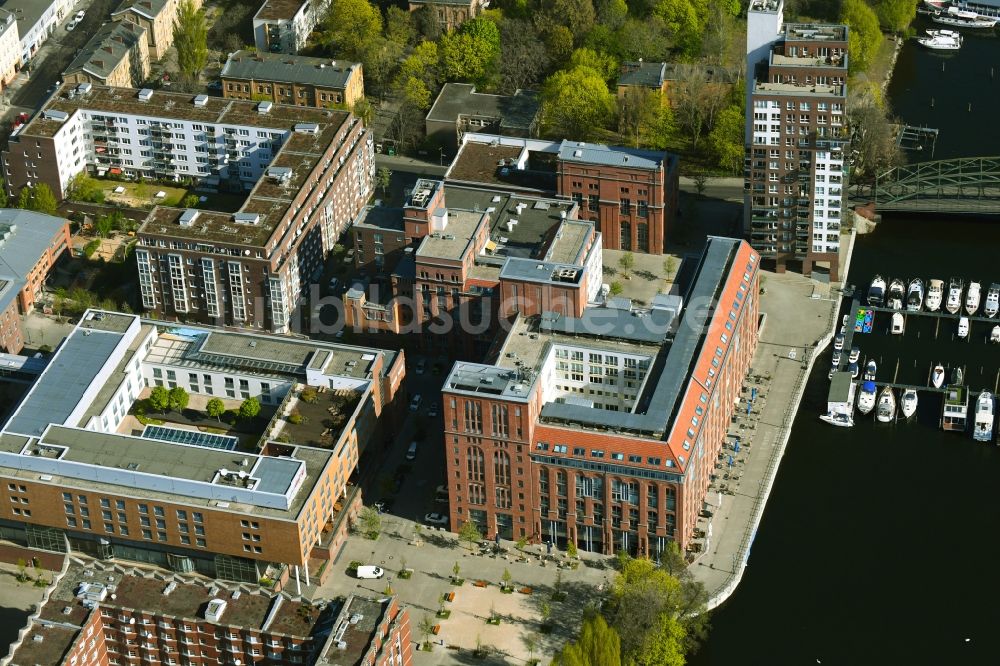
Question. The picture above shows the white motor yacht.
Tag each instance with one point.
(876, 292)
(886, 411)
(898, 323)
(992, 305)
(870, 369)
(838, 342)
(866, 397)
(941, 40)
(962, 18)
(963, 327)
(937, 376)
(915, 295)
(972, 296)
(995, 334)
(854, 355)
(854, 370)
(897, 294)
(982, 429)
(842, 420)
(908, 403)
(935, 291)
(954, 302)
(835, 361)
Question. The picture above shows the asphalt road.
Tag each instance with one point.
(31, 88)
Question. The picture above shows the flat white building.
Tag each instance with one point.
(10, 47)
(284, 26)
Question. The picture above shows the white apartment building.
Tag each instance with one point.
(284, 26)
(37, 20)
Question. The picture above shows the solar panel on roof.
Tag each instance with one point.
(192, 437)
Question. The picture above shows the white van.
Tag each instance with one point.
(369, 571)
(411, 453)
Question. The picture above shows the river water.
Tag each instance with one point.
(881, 544)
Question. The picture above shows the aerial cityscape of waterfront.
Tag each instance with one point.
(378, 333)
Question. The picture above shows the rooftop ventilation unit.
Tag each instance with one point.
(282, 174)
(306, 128)
(189, 216)
(200, 100)
(56, 115)
(264, 107)
(84, 88)
(246, 218)
(171, 586)
(145, 94)
(215, 609)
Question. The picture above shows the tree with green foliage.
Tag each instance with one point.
(659, 615)
(576, 102)
(215, 407)
(382, 179)
(426, 22)
(600, 62)
(190, 201)
(644, 118)
(249, 408)
(3, 194)
(615, 288)
(104, 225)
(895, 15)
(159, 399)
(371, 522)
(597, 645)
(84, 188)
(726, 139)
(399, 26)
(469, 533)
(626, 262)
(38, 198)
(191, 39)
(350, 27)
(685, 20)
(470, 54)
(178, 399)
(863, 34)
(577, 15)
(421, 64)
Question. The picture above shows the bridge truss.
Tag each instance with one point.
(966, 185)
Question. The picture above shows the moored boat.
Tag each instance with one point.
(972, 296)
(962, 18)
(963, 327)
(995, 334)
(957, 376)
(876, 292)
(897, 293)
(954, 302)
(982, 429)
(870, 370)
(854, 355)
(854, 370)
(937, 376)
(941, 40)
(838, 342)
(898, 323)
(886, 411)
(915, 295)
(908, 403)
(992, 305)
(935, 291)
(866, 397)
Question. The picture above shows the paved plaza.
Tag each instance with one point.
(432, 556)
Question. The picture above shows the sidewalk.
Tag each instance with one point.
(800, 313)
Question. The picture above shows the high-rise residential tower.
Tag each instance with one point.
(794, 172)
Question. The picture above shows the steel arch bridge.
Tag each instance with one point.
(968, 185)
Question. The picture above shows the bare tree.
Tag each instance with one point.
(873, 142)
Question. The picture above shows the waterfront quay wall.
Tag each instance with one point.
(795, 378)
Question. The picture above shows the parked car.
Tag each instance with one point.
(72, 24)
(369, 571)
(415, 402)
(411, 453)
(332, 285)
(421, 366)
(436, 519)
(432, 411)
(79, 15)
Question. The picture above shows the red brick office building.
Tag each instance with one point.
(604, 429)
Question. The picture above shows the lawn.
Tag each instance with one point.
(142, 194)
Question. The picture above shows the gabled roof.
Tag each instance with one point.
(645, 74)
(261, 66)
(106, 49)
(148, 8)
